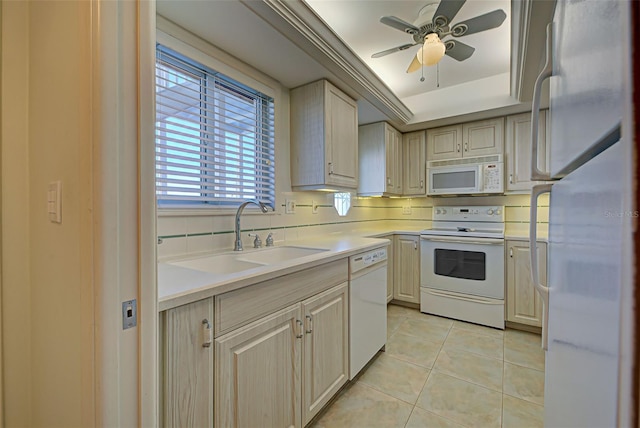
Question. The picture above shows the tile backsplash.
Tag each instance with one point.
(194, 234)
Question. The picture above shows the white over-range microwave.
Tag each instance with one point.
(466, 176)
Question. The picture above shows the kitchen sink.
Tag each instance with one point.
(223, 264)
(278, 254)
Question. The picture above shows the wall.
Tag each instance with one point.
(16, 290)
(190, 235)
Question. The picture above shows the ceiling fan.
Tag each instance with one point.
(432, 25)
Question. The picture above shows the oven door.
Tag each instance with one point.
(465, 265)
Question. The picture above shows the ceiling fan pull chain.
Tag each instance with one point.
(422, 71)
(438, 75)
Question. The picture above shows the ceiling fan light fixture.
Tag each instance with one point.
(431, 51)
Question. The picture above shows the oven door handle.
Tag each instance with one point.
(487, 241)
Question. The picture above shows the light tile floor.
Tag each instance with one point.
(438, 372)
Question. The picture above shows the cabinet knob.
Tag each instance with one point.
(511, 252)
(207, 336)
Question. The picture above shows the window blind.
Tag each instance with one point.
(214, 136)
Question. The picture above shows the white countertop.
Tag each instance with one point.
(178, 285)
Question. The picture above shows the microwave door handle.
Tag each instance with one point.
(543, 290)
(547, 71)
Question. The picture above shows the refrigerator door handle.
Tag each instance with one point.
(542, 290)
(547, 71)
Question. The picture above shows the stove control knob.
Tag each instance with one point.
(475, 212)
(438, 211)
(444, 211)
(498, 212)
(490, 212)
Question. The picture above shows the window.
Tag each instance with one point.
(342, 202)
(214, 137)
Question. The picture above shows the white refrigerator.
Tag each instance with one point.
(588, 321)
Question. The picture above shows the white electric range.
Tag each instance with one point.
(462, 264)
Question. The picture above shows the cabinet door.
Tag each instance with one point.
(258, 372)
(518, 150)
(444, 143)
(326, 348)
(524, 305)
(407, 268)
(393, 164)
(485, 137)
(342, 138)
(414, 164)
(390, 277)
(188, 366)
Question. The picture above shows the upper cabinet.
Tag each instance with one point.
(380, 157)
(324, 138)
(518, 150)
(481, 138)
(414, 182)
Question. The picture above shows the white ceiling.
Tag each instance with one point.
(481, 83)
(366, 35)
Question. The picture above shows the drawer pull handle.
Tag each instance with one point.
(310, 328)
(207, 336)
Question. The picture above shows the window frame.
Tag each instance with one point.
(211, 57)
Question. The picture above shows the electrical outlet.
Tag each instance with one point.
(314, 207)
(406, 210)
(290, 206)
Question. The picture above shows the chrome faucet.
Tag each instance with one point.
(263, 207)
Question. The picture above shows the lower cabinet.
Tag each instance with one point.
(524, 305)
(406, 259)
(282, 369)
(390, 279)
(187, 356)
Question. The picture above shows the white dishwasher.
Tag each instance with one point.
(368, 307)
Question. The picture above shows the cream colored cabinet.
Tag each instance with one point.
(187, 365)
(524, 305)
(518, 150)
(258, 373)
(414, 182)
(390, 278)
(326, 348)
(406, 285)
(324, 138)
(481, 138)
(380, 160)
(281, 369)
(444, 143)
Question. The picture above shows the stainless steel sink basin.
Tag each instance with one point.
(278, 254)
(223, 264)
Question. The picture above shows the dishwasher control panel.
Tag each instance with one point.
(364, 260)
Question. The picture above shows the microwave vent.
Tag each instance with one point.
(466, 161)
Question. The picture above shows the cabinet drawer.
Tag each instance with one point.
(239, 307)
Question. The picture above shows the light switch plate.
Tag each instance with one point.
(314, 207)
(406, 210)
(54, 201)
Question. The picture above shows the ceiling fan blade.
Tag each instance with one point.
(399, 24)
(458, 50)
(479, 23)
(449, 9)
(392, 50)
(414, 66)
